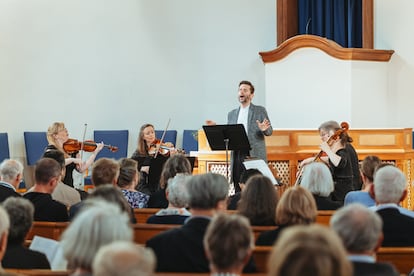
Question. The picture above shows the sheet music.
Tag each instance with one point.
(261, 165)
(52, 250)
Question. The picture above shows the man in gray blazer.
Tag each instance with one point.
(257, 125)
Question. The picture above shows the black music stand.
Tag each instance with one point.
(227, 137)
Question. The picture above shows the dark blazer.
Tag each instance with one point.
(6, 192)
(167, 219)
(47, 209)
(18, 256)
(181, 249)
(325, 203)
(398, 229)
(374, 269)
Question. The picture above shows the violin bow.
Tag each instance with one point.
(81, 151)
(162, 138)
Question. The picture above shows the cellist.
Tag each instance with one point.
(340, 157)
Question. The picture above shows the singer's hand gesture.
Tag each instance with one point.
(263, 125)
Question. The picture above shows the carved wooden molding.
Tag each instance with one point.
(328, 46)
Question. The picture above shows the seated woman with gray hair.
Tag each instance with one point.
(91, 229)
(317, 179)
(177, 195)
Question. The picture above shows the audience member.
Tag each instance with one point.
(181, 249)
(104, 171)
(90, 230)
(121, 258)
(48, 173)
(296, 206)
(368, 167)
(313, 250)
(177, 195)
(245, 175)
(317, 179)
(21, 211)
(11, 174)
(389, 189)
(110, 193)
(258, 201)
(62, 193)
(361, 232)
(220, 241)
(177, 163)
(4, 232)
(127, 181)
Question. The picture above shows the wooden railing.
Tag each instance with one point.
(142, 230)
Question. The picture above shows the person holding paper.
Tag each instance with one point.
(256, 123)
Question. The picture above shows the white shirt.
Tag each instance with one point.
(243, 116)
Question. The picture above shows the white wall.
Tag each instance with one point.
(119, 64)
(394, 30)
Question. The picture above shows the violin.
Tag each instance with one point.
(160, 148)
(73, 146)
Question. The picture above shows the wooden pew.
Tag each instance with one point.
(46, 272)
(39, 272)
(324, 216)
(145, 231)
(401, 257)
(142, 214)
(51, 230)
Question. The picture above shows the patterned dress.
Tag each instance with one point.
(136, 199)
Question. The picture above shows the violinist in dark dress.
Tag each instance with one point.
(151, 158)
(57, 136)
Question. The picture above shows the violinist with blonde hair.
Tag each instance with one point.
(57, 136)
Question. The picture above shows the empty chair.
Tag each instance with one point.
(170, 136)
(190, 141)
(35, 143)
(4, 146)
(116, 138)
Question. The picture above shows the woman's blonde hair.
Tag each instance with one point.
(52, 130)
(296, 206)
(313, 250)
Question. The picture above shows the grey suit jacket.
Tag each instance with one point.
(254, 134)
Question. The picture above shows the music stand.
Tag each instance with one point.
(227, 137)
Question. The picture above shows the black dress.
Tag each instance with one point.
(342, 176)
(149, 183)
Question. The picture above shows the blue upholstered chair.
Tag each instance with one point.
(117, 138)
(4, 146)
(35, 143)
(170, 136)
(190, 141)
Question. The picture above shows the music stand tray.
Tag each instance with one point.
(236, 135)
(227, 137)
